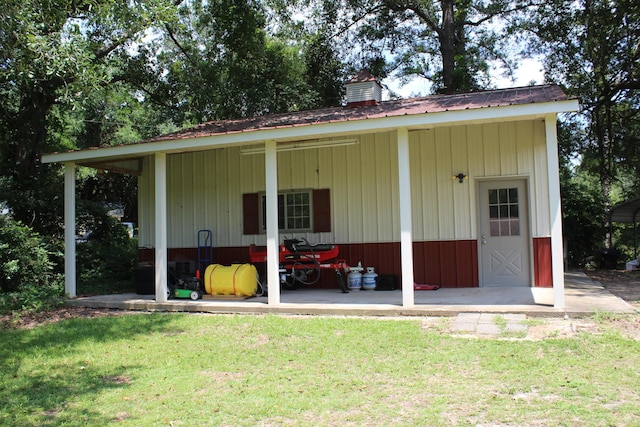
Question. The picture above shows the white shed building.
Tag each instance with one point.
(450, 190)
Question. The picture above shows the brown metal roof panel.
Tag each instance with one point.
(429, 104)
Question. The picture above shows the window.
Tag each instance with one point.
(298, 211)
(294, 211)
(504, 215)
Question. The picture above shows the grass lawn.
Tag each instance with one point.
(206, 370)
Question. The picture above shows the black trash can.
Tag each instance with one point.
(145, 280)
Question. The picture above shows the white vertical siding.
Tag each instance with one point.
(540, 203)
(368, 191)
(461, 192)
(426, 206)
(333, 171)
(205, 188)
(386, 189)
(491, 149)
(444, 182)
(476, 169)
(349, 175)
(508, 149)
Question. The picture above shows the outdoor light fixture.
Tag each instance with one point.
(303, 145)
(460, 177)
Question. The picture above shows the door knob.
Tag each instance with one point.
(483, 239)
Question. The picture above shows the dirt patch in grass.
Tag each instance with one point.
(32, 320)
(621, 283)
(625, 285)
(561, 328)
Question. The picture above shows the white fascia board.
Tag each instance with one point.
(366, 125)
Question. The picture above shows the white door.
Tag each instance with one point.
(504, 233)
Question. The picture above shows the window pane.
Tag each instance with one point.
(504, 228)
(513, 195)
(493, 197)
(298, 210)
(493, 212)
(494, 227)
(503, 195)
(504, 211)
(515, 227)
(281, 217)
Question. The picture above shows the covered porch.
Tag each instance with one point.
(454, 137)
(583, 297)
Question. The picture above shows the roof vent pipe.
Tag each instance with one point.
(363, 90)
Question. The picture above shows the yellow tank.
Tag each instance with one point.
(235, 279)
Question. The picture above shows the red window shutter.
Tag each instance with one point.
(251, 213)
(321, 211)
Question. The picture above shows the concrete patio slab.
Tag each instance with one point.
(583, 297)
(489, 323)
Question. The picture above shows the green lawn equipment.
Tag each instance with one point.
(185, 288)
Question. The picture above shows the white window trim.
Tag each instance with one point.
(261, 204)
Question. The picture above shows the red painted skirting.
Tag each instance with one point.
(543, 275)
(449, 264)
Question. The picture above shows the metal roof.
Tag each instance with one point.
(414, 113)
(428, 104)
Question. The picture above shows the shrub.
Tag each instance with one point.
(27, 278)
(106, 261)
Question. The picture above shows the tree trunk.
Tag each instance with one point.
(33, 118)
(447, 38)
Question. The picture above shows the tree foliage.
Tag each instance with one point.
(27, 277)
(219, 62)
(55, 55)
(592, 47)
(451, 43)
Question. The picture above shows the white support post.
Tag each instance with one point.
(555, 213)
(161, 226)
(273, 256)
(70, 229)
(406, 238)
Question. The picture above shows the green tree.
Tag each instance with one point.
(592, 47)
(53, 55)
(220, 61)
(448, 42)
(27, 277)
(324, 71)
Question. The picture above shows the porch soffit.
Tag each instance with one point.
(415, 113)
